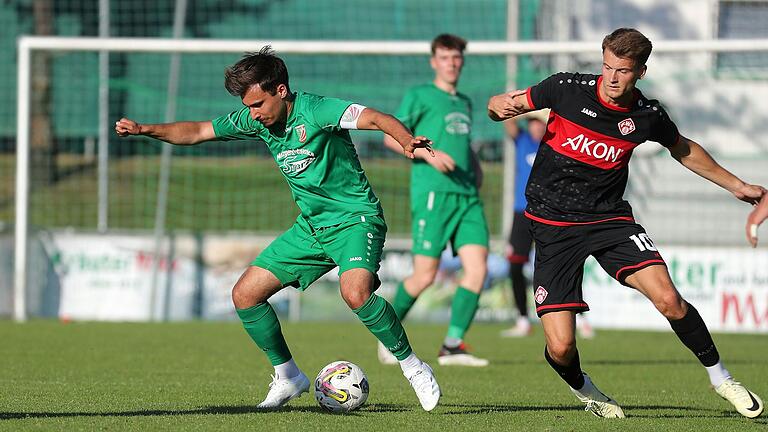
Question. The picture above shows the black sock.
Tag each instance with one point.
(571, 373)
(519, 288)
(693, 332)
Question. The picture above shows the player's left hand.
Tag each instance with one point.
(418, 142)
(758, 216)
(750, 193)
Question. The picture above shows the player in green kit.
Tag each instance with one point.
(445, 205)
(341, 221)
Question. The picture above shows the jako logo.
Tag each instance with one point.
(598, 151)
(589, 112)
(355, 259)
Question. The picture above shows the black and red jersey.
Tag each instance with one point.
(580, 171)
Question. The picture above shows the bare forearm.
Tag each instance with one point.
(698, 160)
(397, 134)
(179, 133)
(392, 127)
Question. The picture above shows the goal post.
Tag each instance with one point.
(27, 45)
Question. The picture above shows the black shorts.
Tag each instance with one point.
(620, 247)
(520, 239)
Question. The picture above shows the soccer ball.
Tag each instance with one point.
(341, 387)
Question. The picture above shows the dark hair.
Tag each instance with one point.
(630, 44)
(262, 68)
(448, 41)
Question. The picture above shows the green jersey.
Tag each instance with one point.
(316, 157)
(446, 119)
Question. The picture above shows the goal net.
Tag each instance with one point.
(72, 174)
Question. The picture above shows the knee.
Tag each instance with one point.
(247, 294)
(562, 351)
(355, 297)
(422, 280)
(671, 305)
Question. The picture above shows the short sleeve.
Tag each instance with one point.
(236, 125)
(547, 94)
(327, 112)
(664, 131)
(409, 112)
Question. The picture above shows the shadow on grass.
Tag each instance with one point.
(632, 411)
(223, 410)
(658, 411)
(649, 362)
(616, 362)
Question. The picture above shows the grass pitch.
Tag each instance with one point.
(210, 376)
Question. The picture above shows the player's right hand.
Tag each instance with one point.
(125, 127)
(758, 215)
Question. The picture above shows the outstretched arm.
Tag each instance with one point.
(370, 119)
(181, 133)
(507, 105)
(696, 159)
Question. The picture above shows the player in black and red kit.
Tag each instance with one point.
(575, 201)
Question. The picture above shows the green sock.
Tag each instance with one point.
(261, 323)
(402, 302)
(382, 321)
(463, 310)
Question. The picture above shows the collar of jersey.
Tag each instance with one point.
(453, 95)
(292, 115)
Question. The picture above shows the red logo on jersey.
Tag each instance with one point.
(540, 295)
(302, 131)
(626, 126)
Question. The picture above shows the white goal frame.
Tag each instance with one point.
(28, 44)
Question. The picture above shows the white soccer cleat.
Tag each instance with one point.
(281, 390)
(459, 356)
(596, 402)
(747, 403)
(385, 356)
(424, 384)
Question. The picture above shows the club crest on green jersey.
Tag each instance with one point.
(293, 162)
(302, 133)
(457, 123)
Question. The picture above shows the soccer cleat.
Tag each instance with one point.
(281, 390)
(596, 402)
(385, 356)
(424, 384)
(521, 329)
(747, 403)
(459, 357)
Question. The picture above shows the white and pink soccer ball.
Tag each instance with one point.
(341, 387)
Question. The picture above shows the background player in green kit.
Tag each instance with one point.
(445, 205)
(341, 221)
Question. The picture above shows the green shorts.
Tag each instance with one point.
(440, 217)
(302, 254)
